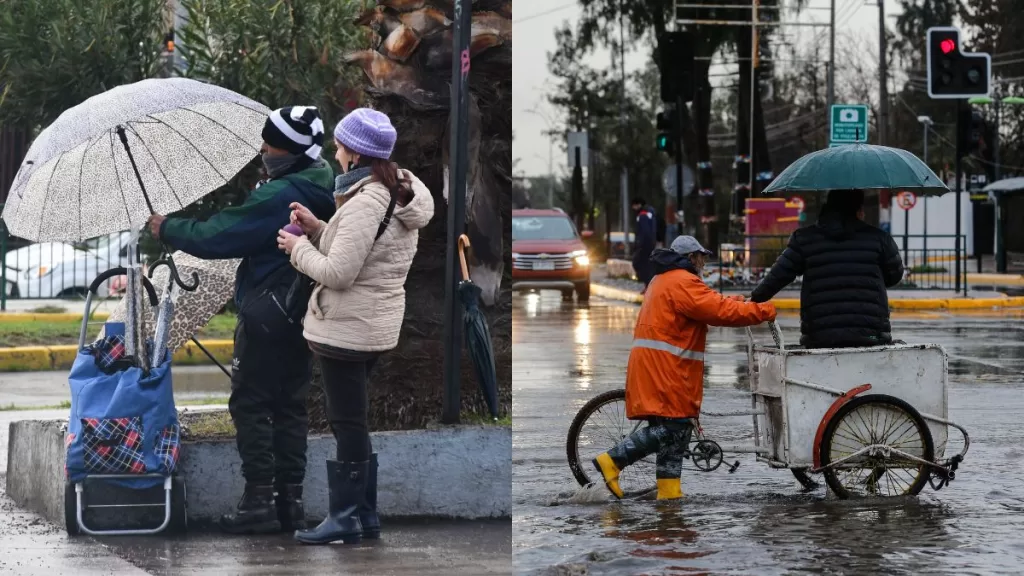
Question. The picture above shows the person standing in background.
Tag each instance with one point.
(646, 240)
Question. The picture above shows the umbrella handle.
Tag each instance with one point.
(463, 244)
(169, 262)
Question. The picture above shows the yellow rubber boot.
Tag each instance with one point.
(610, 472)
(669, 489)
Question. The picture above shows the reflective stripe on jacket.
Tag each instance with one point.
(665, 377)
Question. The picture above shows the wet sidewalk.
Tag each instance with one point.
(33, 546)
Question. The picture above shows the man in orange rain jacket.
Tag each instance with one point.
(665, 377)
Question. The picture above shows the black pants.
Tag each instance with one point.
(345, 376)
(669, 438)
(643, 267)
(270, 381)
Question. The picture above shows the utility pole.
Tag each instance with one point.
(883, 92)
(624, 177)
(831, 59)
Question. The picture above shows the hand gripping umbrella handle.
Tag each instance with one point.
(463, 244)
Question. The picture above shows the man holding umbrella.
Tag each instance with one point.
(271, 369)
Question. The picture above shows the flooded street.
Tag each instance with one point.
(758, 520)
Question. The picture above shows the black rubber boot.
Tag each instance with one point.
(347, 484)
(368, 511)
(256, 514)
(290, 511)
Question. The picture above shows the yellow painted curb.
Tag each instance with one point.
(998, 280)
(63, 357)
(66, 317)
(47, 358)
(913, 304)
(191, 355)
(27, 359)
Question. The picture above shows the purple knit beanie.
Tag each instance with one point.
(367, 133)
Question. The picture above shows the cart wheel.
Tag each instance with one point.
(179, 507)
(598, 427)
(883, 420)
(804, 479)
(71, 510)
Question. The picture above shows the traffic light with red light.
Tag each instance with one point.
(953, 73)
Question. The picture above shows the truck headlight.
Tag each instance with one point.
(581, 258)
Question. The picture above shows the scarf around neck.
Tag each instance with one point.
(344, 182)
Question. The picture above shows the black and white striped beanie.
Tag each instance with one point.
(297, 129)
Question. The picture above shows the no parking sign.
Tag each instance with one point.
(906, 200)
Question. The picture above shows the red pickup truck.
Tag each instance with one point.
(548, 254)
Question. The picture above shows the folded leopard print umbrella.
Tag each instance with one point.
(192, 310)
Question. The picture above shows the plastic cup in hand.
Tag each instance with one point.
(293, 230)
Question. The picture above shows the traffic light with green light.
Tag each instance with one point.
(666, 139)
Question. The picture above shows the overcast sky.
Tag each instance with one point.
(535, 22)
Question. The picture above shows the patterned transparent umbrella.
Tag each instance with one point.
(154, 146)
(191, 310)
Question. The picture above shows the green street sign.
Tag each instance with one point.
(849, 124)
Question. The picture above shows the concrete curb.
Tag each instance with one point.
(48, 358)
(454, 472)
(63, 317)
(613, 293)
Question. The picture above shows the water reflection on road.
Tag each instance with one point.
(757, 521)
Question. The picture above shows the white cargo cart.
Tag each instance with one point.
(873, 421)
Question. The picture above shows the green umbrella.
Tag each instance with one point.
(858, 166)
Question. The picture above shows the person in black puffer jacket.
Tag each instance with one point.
(846, 266)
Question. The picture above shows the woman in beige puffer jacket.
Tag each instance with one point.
(359, 261)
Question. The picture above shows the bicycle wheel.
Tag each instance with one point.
(599, 425)
(876, 420)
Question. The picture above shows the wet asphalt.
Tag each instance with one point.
(758, 520)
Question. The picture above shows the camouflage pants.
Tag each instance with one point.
(668, 437)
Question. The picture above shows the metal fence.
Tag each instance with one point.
(58, 270)
(741, 265)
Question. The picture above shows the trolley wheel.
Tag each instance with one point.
(876, 419)
(804, 479)
(599, 425)
(71, 510)
(179, 506)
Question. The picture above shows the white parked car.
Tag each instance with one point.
(59, 270)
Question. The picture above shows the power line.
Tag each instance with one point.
(544, 13)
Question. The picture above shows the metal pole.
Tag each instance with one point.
(551, 172)
(1000, 248)
(925, 200)
(459, 163)
(906, 235)
(956, 238)
(679, 163)
(832, 58)
(624, 177)
(753, 82)
(883, 92)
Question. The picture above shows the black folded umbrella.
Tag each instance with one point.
(478, 335)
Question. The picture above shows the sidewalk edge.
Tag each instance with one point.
(51, 358)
